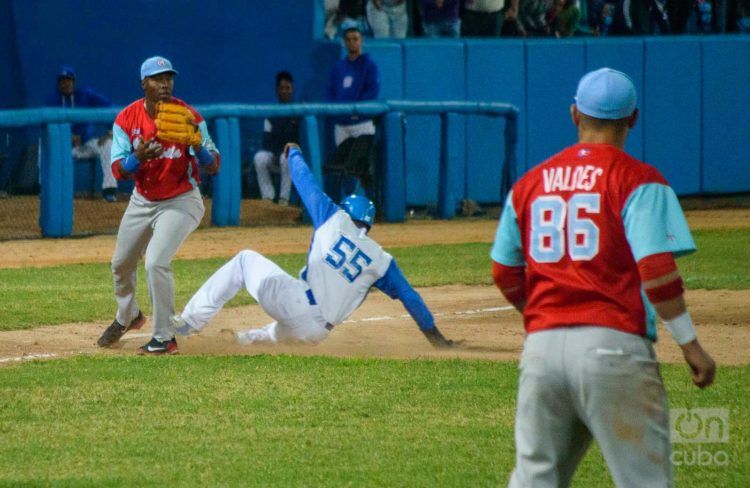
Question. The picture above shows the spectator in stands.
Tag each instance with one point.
(440, 18)
(87, 141)
(484, 18)
(277, 131)
(649, 17)
(344, 12)
(533, 17)
(705, 16)
(563, 18)
(388, 18)
(742, 13)
(354, 78)
(603, 14)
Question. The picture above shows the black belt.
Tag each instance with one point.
(311, 301)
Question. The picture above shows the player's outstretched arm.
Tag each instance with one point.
(318, 204)
(395, 285)
(663, 287)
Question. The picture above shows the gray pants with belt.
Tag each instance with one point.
(158, 229)
(583, 382)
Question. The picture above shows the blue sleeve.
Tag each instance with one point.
(654, 222)
(208, 143)
(372, 87)
(318, 204)
(121, 146)
(394, 284)
(507, 249)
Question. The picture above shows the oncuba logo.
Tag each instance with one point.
(699, 425)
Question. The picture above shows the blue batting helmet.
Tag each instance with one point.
(359, 208)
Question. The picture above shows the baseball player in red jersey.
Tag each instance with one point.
(585, 250)
(166, 205)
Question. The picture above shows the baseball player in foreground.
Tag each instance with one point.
(585, 250)
(343, 263)
(160, 141)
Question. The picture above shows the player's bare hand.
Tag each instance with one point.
(148, 150)
(701, 364)
(289, 146)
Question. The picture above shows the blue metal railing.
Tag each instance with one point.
(56, 197)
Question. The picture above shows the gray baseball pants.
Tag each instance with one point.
(158, 229)
(582, 382)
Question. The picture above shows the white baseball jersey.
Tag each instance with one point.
(342, 265)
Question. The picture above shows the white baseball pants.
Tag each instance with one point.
(264, 161)
(344, 132)
(103, 153)
(158, 229)
(286, 299)
(582, 382)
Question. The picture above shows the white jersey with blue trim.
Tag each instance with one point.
(343, 264)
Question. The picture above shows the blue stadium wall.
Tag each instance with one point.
(694, 100)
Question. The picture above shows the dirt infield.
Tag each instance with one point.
(225, 242)
(478, 316)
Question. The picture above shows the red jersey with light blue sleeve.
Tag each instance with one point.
(343, 262)
(579, 223)
(173, 173)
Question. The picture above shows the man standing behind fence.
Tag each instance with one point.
(160, 141)
(86, 142)
(353, 79)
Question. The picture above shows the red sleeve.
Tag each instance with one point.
(656, 266)
(511, 281)
(116, 171)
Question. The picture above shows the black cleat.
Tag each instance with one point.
(114, 332)
(157, 347)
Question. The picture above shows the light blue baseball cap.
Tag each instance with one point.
(156, 65)
(349, 24)
(606, 94)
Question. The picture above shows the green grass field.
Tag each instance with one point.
(300, 421)
(293, 421)
(83, 293)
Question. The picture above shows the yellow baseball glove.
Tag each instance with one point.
(175, 123)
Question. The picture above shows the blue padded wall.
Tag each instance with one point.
(389, 57)
(671, 111)
(726, 114)
(625, 55)
(553, 70)
(240, 47)
(433, 70)
(494, 71)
